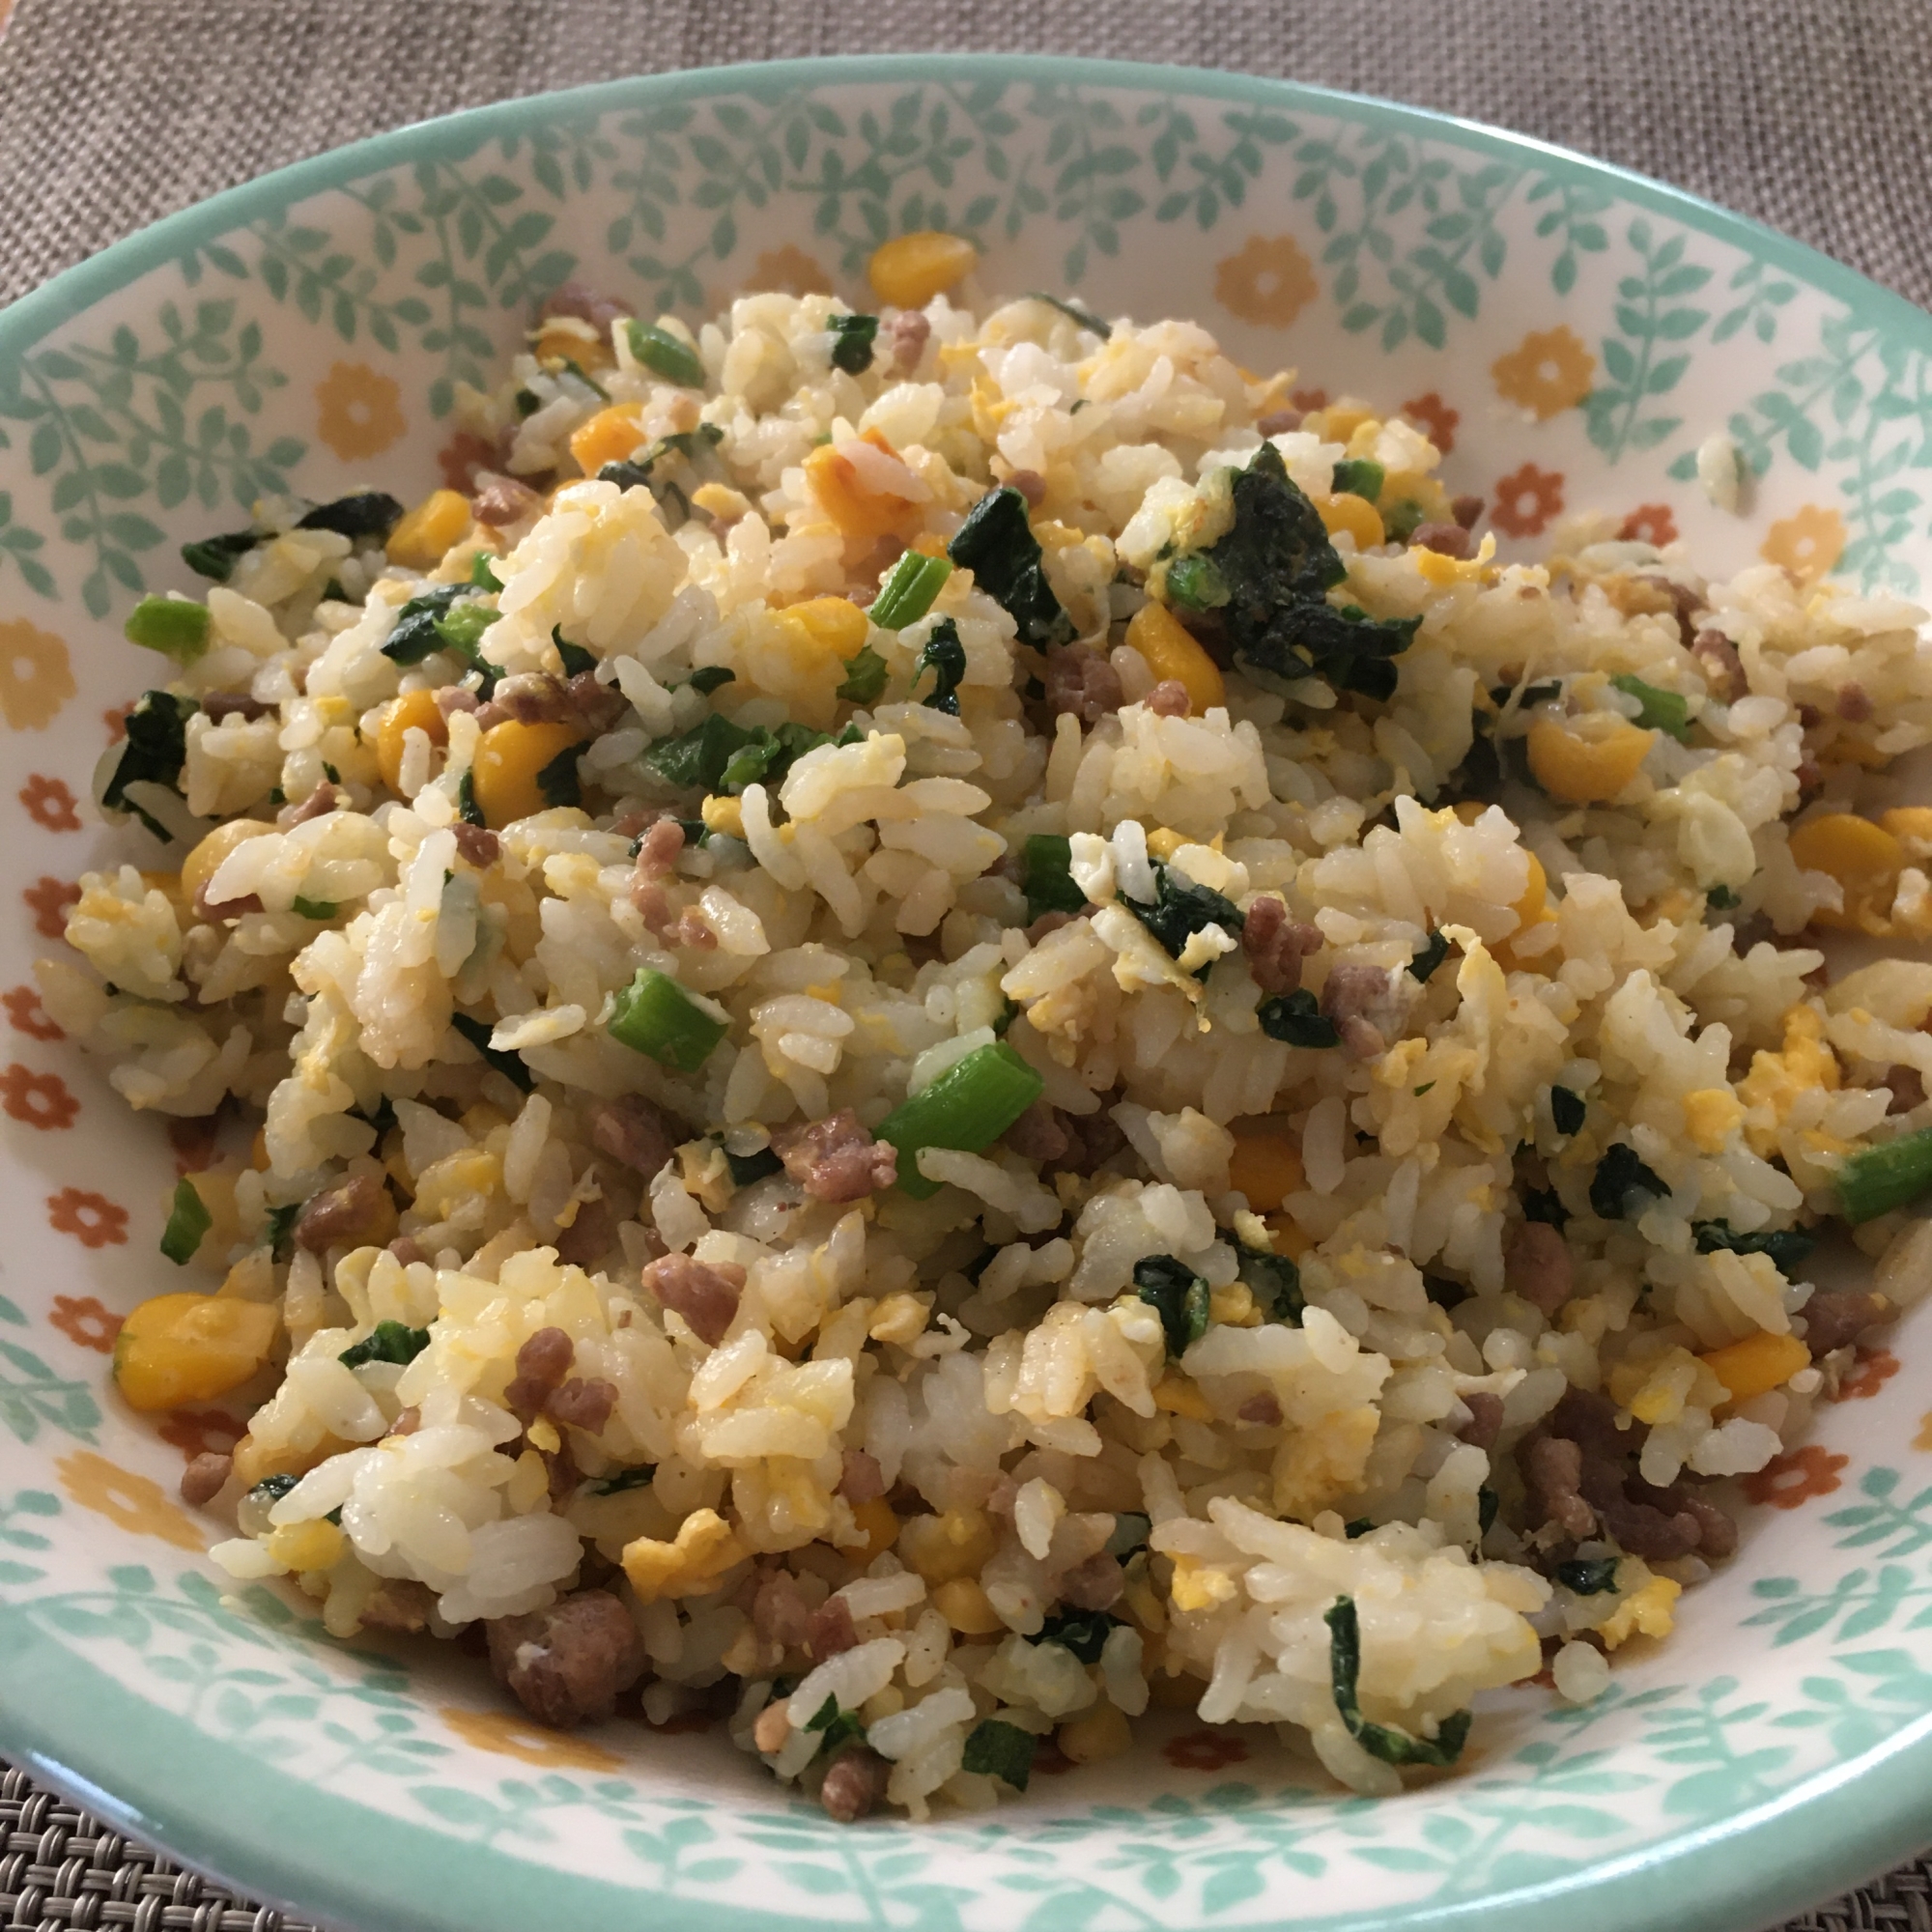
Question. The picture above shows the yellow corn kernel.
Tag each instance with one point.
(706, 1546)
(1354, 514)
(1170, 652)
(1865, 860)
(1338, 422)
(1757, 1364)
(724, 814)
(909, 270)
(1586, 768)
(825, 627)
(1163, 843)
(880, 1524)
(1647, 1611)
(413, 710)
(206, 859)
(1099, 1733)
(1709, 1116)
(1534, 905)
(966, 1607)
(1911, 826)
(190, 1348)
(941, 1547)
(437, 524)
(859, 512)
(567, 341)
(611, 436)
(1180, 1396)
(306, 1545)
(508, 758)
(1267, 1163)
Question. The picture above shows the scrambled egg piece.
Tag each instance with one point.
(706, 1546)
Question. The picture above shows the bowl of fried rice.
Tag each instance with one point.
(959, 988)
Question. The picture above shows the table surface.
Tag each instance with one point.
(116, 112)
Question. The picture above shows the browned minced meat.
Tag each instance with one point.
(1082, 683)
(455, 697)
(1094, 1584)
(1349, 995)
(1809, 717)
(1051, 921)
(1445, 539)
(1684, 603)
(589, 1235)
(853, 1783)
(207, 909)
(1276, 946)
(319, 804)
(658, 849)
(401, 1604)
(1647, 1521)
(1908, 1089)
(1717, 1533)
(560, 1466)
(203, 1479)
(1030, 485)
(585, 305)
(704, 1292)
(220, 704)
(1837, 1315)
(1278, 422)
(691, 930)
(583, 1404)
(502, 501)
(529, 698)
(1854, 706)
(632, 1131)
(1038, 1134)
(1465, 511)
(861, 1479)
(1552, 1468)
(829, 1630)
(1262, 1407)
(478, 844)
(1537, 1266)
(1092, 1140)
(907, 332)
(408, 1421)
(779, 1614)
(570, 1661)
(1724, 670)
(597, 705)
(1168, 698)
(1486, 1419)
(408, 1250)
(347, 1215)
(835, 1158)
(542, 1362)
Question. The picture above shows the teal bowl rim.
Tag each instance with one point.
(271, 1836)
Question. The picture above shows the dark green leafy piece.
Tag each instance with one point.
(1181, 909)
(1357, 476)
(175, 626)
(696, 758)
(1445, 1292)
(1546, 1204)
(156, 751)
(1195, 585)
(1488, 1503)
(1297, 1018)
(1587, 1575)
(1788, 1247)
(1131, 1532)
(1430, 955)
(996, 1748)
(188, 1221)
(1722, 899)
(852, 339)
(483, 571)
(573, 657)
(460, 629)
(585, 376)
(558, 780)
(1876, 1180)
(945, 657)
(1274, 1281)
(386, 1342)
(836, 1727)
(625, 1480)
(1619, 1175)
(272, 1489)
(528, 402)
(1359, 1527)
(996, 543)
(1178, 1295)
(627, 474)
(663, 354)
(280, 1229)
(1046, 876)
(1566, 1108)
(365, 512)
(1662, 710)
(319, 909)
(769, 755)
(864, 677)
(415, 635)
(509, 1064)
(215, 557)
(466, 808)
(1080, 316)
(910, 587)
(1383, 1741)
(1402, 519)
(1084, 1633)
(746, 1167)
(709, 678)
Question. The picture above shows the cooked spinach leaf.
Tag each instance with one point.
(1178, 1295)
(1084, 1633)
(1587, 1575)
(996, 543)
(1357, 476)
(1046, 876)
(1383, 1741)
(1788, 1247)
(416, 635)
(1181, 909)
(852, 338)
(215, 557)
(1297, 1019)
(1430, 955)
(945, 656)
(1080, 316)
(509, 1064)
(574, 657)
(366, 513)
(1274, 1281)
(996, 1748)
(386, 1342)
(1566, 1108)
(558, 780)
(1619, 1175)
(157, 750)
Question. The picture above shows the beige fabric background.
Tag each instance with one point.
(113, 113)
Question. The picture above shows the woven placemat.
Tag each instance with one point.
(116, 112)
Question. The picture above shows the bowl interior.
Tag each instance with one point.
(1569, 337)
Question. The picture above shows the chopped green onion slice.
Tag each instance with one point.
(387, 1342)
(996, 1748)
(907, 594)
(187, 1222)
(1662, 710)
(174, 626)
(967, 1107)
(655, 1015)
(1195, 585)
(1357, 476)
(461, 628)
(1876, 1180)
(1383, 1741)
(663, 354)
